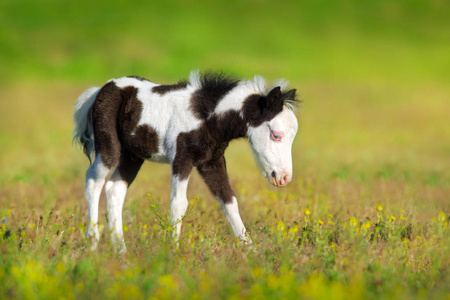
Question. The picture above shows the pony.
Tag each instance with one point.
(187, 125)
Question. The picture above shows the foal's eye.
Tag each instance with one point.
(276, 136)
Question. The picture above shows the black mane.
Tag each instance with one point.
(218, 81)
(214, 86)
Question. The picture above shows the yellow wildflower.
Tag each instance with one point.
(353, 221)
(379, 207)
(392, 218)
(330, 222)
(293, 229)
(366, 225)
(442, 216)
(281, 226)
(306, 212)
(320, 222)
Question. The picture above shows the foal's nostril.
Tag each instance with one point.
(274, 174)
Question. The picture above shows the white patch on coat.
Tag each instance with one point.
(131, 81)
(234, 100)
(168, 114)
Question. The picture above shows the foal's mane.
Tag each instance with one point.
(220, 81)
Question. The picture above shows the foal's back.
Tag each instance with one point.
(148, 117)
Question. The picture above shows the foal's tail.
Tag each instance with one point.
(83, 133)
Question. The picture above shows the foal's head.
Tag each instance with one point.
(272, 129)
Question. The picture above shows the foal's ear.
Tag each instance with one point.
(274, 98)
(289, 95)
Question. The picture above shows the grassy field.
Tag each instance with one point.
(365, 217)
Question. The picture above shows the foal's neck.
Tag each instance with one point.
(228, 121)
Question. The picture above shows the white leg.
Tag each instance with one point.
(116, 190)
(95, 179)
(178, 204)
(231, 211)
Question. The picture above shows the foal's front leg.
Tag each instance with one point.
(178, 203)
(214, 173)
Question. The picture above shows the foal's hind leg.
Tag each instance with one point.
(116, 190)
(95, 179)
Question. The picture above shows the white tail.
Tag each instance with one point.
(83, 133)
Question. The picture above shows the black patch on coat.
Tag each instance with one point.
(214, 86)
(167, 88)
(140, 140)
(115, 116)
(104, 119)
(207, 143)
(259, 108)
(129, 166)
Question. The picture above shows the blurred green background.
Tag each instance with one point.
(402, 41)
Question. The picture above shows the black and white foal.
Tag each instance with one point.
(188, 124)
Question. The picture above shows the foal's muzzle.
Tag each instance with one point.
(280, 180)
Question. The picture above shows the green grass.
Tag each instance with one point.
(373, 132)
